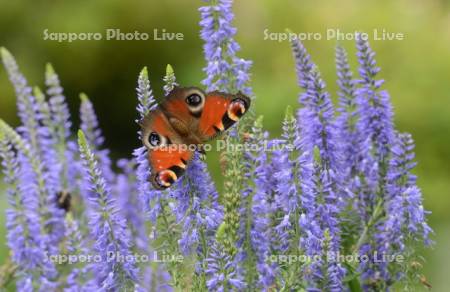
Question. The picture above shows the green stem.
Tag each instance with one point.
(375, 215)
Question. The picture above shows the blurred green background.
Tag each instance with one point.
(416, 69)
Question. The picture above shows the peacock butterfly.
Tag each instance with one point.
(187, 118)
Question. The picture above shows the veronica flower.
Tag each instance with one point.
(26, 102)
(15, 215)
(144, 94)
(27, 237)
(261, 229)
(170, 81)
(31, 113)
(108, 227)
(286, 166)
(155, 279)
(291, 172)
(224, 70)
(126, 192)
(356, 163)
(80, 276)
(149, 197)
(323, 195)
(303, 68)
(89, 125)
(316, 118)
(376, 127)
(318, 128)
(152, 203)
(25, 250)
(52, 166)
(402, 181)
(196, 206)
(61, 123)
(405, 215)
(347, 121)
(43, 108)
(222, 275)
(375, 106)
(58, 106)
(219, 262)
(197, 198)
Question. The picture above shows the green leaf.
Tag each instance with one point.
(259, 122)
(220, 234)
(317, 157)
(354, 285)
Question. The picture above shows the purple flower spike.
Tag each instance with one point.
(90, 126)
(405, 215)
(196, 205)
(36, 132)
(350, 136)
(375, 105)
(225, 71)
(30, 233)
(170, 80)
(149, 197)
(322, 192)
(108, 228)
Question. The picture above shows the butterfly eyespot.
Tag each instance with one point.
(155, 140)
(194, 99)
(195, 102)
(165, 178)
(236, 109)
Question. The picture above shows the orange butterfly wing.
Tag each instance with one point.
(169, 159)
(220, 112)
(187, 117)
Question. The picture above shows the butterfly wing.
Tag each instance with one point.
(220, 112)
(168, 155)
(187, 117)
(198, 117)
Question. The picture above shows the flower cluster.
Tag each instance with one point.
(344, 186)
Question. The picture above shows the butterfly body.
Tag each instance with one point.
(184, 121)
